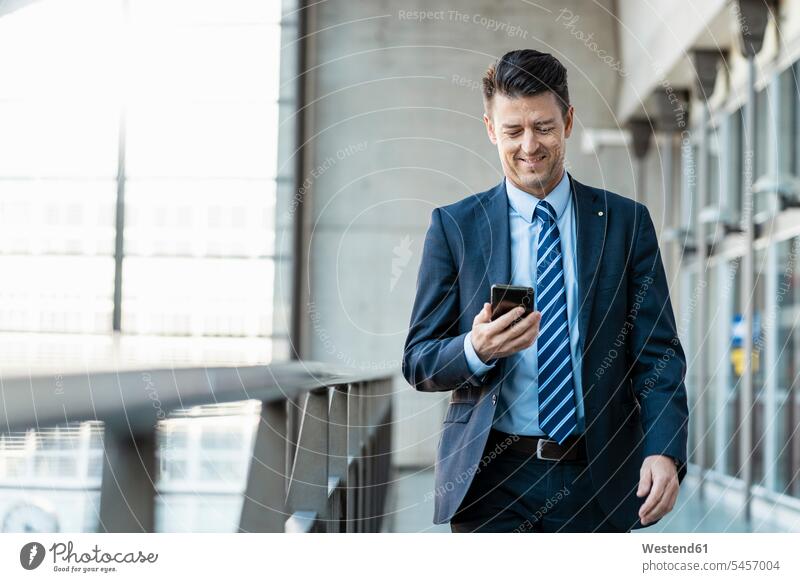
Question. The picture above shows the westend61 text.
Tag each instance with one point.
(672, 549)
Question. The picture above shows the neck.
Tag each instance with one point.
(541, 193)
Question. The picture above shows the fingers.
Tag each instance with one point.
(653, 500)
(505, 320)
(645, 481)
(522, 334)
(666, 503)
(499, 338)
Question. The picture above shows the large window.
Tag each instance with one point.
(792, 124)
(709, 352)
(787, 369)
(735, 183)
(735, 363)
(58, 165)
(688, 333)
(689, 176)
(761, 415)
(784, 122)
(722, 281)
(713, 174)
(138, 179)
(768, 151)
(170, 106)
(762, 139)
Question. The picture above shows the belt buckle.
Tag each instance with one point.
(539, 444)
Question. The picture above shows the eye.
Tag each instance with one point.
(545, 129)
(513, 133)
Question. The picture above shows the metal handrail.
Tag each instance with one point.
(321, 451)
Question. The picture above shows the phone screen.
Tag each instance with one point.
(507, 297)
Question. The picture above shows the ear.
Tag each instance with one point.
(490, 129)
(568, 121)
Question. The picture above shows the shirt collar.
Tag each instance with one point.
(524, 203)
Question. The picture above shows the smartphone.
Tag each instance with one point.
(507, 297)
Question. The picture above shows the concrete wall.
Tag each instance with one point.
(397, 131)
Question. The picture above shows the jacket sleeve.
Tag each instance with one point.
(434, 357)
(658, 361)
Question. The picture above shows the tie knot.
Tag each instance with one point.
(544, 212)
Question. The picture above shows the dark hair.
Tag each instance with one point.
(527, 72)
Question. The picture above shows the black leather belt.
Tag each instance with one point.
(573, 449)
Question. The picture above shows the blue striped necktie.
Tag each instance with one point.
(557, 412)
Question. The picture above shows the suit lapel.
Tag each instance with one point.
(491, 216)
(591, 215)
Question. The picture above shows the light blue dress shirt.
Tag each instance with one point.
(517, 410)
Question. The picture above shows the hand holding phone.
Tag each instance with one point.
(510, 332)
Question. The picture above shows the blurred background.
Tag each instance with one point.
(212, 216)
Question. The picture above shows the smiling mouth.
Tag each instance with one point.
(534, 160)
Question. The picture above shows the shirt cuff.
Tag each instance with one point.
(476, 365)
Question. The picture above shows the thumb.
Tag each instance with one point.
(645, 481)
(485, 314)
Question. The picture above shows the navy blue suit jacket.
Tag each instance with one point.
(633, 363)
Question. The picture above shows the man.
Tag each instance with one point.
(575, 418)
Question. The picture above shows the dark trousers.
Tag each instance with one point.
(516, 492)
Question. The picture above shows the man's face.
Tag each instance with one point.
(530, 134)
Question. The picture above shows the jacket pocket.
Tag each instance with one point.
(459, 412)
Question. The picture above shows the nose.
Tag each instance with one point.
(529, 142)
